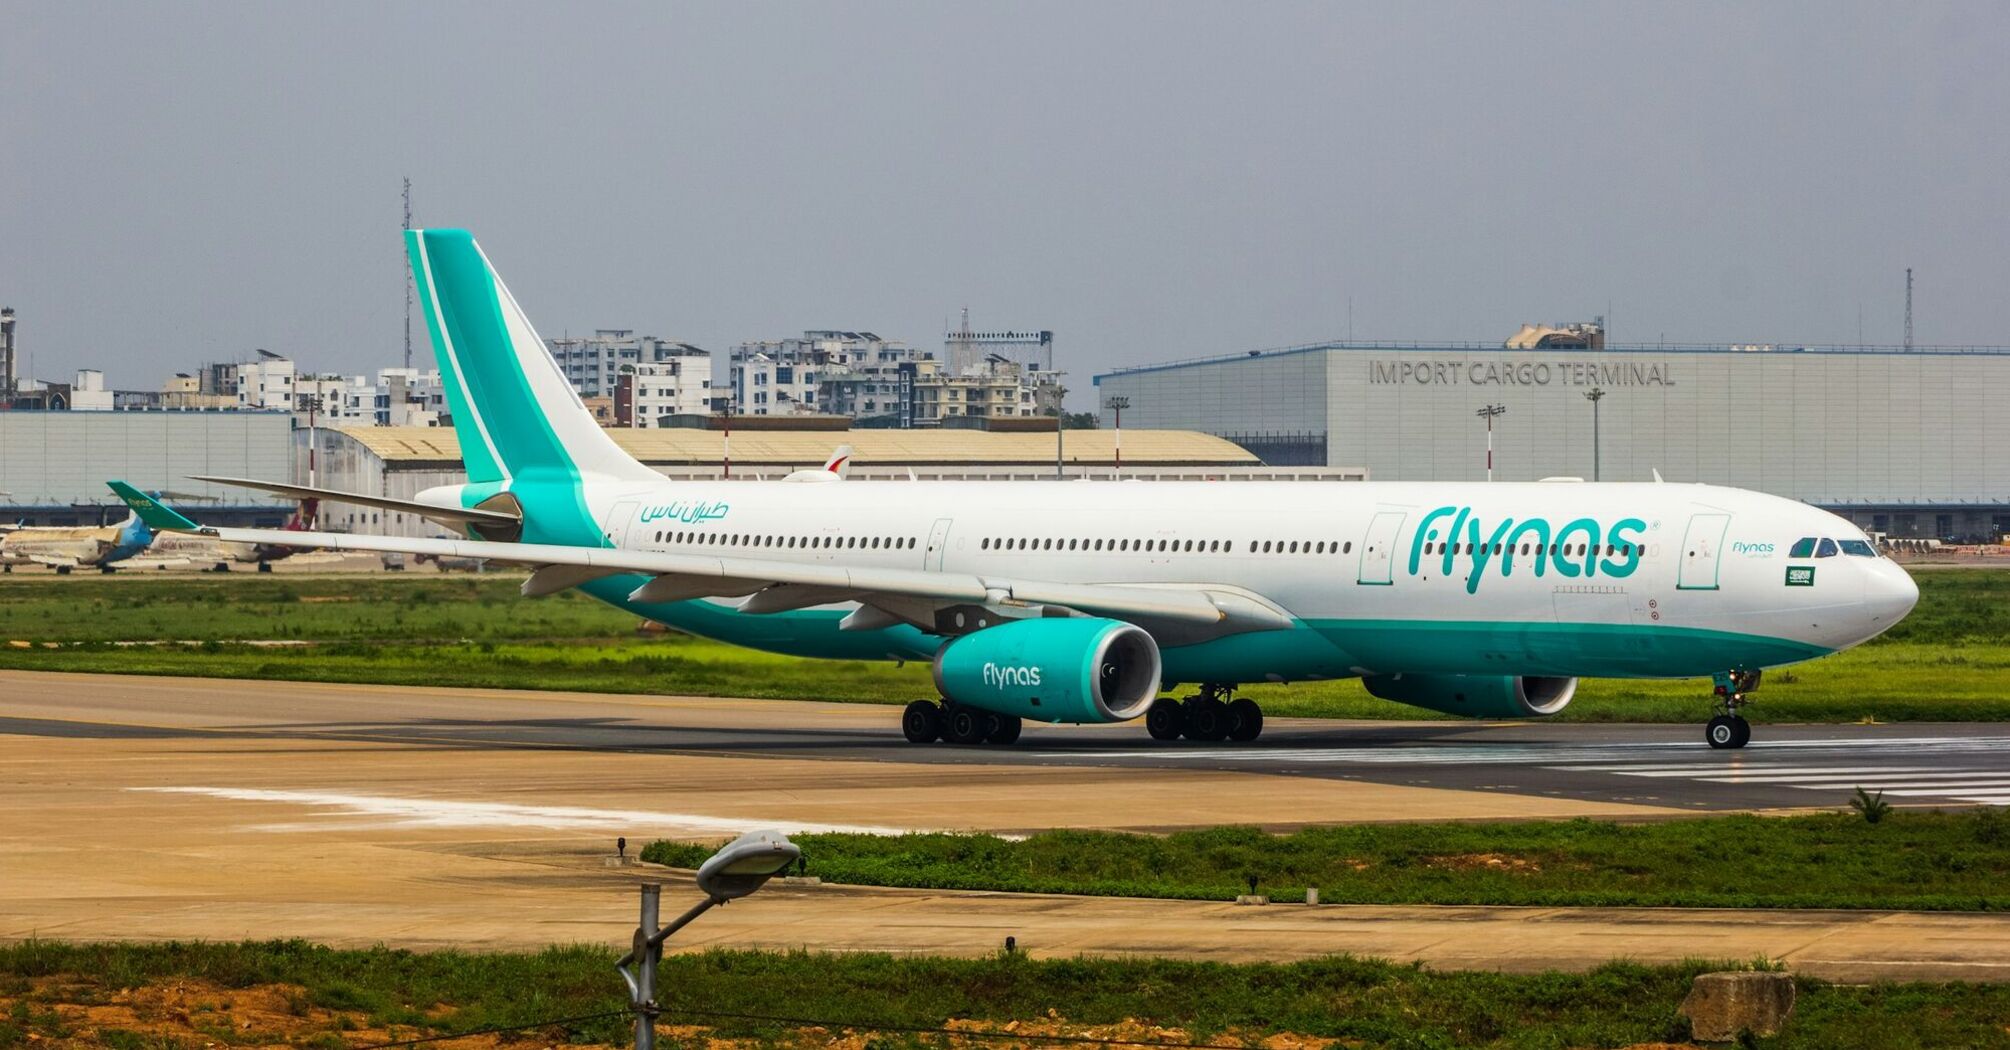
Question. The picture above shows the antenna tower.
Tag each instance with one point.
(1908, 308)
(407, 257)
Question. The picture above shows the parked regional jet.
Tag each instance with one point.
(65, 548)
(1084, 602)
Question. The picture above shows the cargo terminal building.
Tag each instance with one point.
(1913, 443)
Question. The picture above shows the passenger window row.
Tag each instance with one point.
(739, 539)
(1025, 543)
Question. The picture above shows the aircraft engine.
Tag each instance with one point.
(1476, 695)
(1055, 669)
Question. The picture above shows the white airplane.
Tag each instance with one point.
(1084, 602)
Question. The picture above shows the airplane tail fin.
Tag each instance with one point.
(516, 416)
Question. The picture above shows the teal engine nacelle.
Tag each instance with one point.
(1476, 695)
(1057, 669)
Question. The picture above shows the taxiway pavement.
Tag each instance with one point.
(167, 807)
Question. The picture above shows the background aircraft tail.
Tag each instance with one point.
(520, 424)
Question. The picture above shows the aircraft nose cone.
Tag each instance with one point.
(1890, 593)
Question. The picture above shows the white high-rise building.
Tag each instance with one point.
(593, 364)
(649, 395)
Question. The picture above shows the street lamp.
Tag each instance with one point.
(1594, 395)
(738, 869)
(1488, 413)
(1117, 405)
(1060, 424)
(312, 403)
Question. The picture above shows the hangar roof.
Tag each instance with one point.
(414, 446)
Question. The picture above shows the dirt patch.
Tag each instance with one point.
(65, 1012)
(1485, 862)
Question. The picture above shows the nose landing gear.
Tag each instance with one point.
(1206, 716)
(1728, 729)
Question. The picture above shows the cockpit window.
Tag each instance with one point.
(1857, 549)
(1803, 548)
(1826, 549)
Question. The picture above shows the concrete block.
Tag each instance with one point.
(1720, 1006)
(801, 880)
(618, 862)
(1252, 898)
(1311, 894)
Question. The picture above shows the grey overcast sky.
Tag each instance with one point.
(185, 182)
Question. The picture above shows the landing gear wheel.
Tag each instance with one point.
(1206, 719)
(922, 722)
(265, 566)
(1245, 720)
(1002, 729)
(965, 725)
(1165, 718)
(1722, 732)
(1744, 730)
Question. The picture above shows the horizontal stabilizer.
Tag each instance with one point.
(454, 516)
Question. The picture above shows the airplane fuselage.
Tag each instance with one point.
(1547, 578)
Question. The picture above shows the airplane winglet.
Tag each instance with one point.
(158, 516)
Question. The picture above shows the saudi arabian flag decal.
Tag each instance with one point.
(1800, 576)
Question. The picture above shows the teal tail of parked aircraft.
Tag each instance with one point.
(1083, 602)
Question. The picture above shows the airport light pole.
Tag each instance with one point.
(1060, 425)
(738, 869)
(312, 403)
(1594, 395)
(1117, 405)
(1488, 413)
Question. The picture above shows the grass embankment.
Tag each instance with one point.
(1919, 861)
(56, 995)
(1948, 661)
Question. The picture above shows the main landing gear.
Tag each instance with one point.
(1728, 729)
(926, 721)
(1206, 716)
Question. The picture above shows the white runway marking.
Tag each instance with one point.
(387, 811)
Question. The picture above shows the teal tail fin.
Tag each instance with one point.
(515, 414)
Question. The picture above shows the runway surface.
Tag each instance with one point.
(1785, 767)
(191, 808)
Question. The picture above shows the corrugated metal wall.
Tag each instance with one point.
(1829, 427)
(60, 459)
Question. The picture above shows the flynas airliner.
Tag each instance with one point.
(1087, 602)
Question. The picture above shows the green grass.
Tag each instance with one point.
(1948, 661)
(1912, 860)
(1363, 1002)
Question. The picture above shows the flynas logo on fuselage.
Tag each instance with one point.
(689, 512)
(1006, 676)
(1607, 550)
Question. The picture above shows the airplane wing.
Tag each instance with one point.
(53, 561)
(144, 562)
(913, 596)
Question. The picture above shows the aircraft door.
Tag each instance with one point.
(618, 521)
(1700, 548)
(938, 540)
(1378, 549)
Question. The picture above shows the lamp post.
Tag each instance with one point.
(1488, 413)
(1594, 395)
(1060, 424)
(312, 403)
(1117, 405)
(738, 869)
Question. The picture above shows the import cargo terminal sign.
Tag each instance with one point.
(1519, 373)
